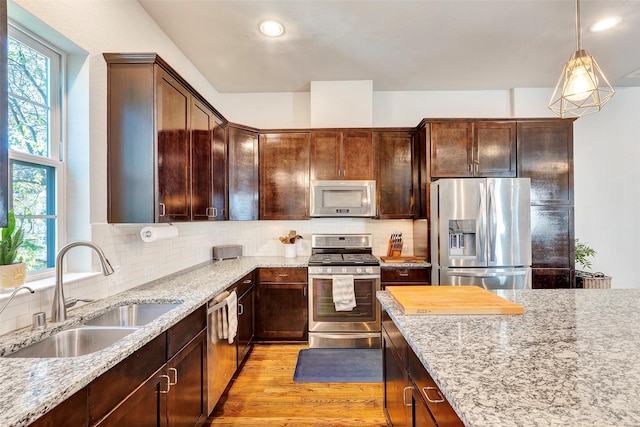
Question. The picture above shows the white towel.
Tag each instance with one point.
(232, 307)
(344, 295)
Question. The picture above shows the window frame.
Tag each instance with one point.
(56, 137)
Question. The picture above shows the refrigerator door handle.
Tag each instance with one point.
(493, 226)
(481, 225)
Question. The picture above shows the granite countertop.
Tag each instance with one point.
(31, 387)
(572, 359)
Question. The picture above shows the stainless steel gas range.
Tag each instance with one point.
(344, 277)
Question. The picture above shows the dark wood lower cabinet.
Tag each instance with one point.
(411, 397)
(403, 276)
(70, 413)
(282, 312)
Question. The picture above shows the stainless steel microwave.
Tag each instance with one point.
(339, 198)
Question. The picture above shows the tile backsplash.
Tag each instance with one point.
(136, 263)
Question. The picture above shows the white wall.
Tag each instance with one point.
(606, 147)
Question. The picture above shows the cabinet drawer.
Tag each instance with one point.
(185, 330)
(440, 409)
(405, 275)
(244, 284)
(279, 275)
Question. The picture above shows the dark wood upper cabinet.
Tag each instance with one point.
(202, 166)
(220, 210)
(174, 150)
(451, 152)
(468, 149)
(243, 174)
(342, 155)
(394, 183)
(284, 175)
(494, 149)
(545, 154)
(162, 152)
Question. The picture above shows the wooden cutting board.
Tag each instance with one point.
(451, 300)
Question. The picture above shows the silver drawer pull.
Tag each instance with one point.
(404, 396)
(426, 390)
(240, 309)
(168, 384)
(247, 281)
(403, 274)
(175, 376)
(283, 274)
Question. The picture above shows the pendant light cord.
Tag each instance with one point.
(578, 27)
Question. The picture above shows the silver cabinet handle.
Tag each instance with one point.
(247, 281)
(240, 309)
(168, 384)
(163, 210)
(403, 274)
(210, 212)
(404, 396)
(283, 274)
(175, 376)
(425, 391)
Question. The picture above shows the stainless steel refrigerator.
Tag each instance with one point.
(481, 232)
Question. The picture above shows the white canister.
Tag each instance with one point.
(289, 251)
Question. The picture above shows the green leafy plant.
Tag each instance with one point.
(12, 239)
(583, 253)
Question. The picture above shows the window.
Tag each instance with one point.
(35, 141)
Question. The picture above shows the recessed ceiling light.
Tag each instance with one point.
(605, 24)
(271, 28)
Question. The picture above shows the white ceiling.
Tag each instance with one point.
(400, 45)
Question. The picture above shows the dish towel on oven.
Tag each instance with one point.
(344, 296)
(232, 316)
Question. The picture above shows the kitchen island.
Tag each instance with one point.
(572, 358)
(32, 387)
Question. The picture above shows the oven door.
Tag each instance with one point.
(323, 317)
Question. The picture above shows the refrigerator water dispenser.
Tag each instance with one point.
(462, 237)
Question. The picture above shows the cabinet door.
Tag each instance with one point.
(325, 155)
(552, 246)
(187, 373)
(397, 393)
(421, 415)
(246, 323)
(202, 166)
(243, 174)
(282, 304)
(545, 154)
(145, 407)
(451, 153)
(494, 149)
(284, 176)
(394, 183)
(357, 155)
(172, 120)
(220, 197)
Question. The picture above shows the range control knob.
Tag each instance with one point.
(369, 270)
(344, 269)
(358, 270)
(328, 269)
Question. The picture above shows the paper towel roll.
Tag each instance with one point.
(151, 234)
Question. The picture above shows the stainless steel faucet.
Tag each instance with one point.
(13, 294)
(59, 308)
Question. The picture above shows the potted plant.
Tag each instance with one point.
(585, 279)
(12, 269)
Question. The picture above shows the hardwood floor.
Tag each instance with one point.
(264, 394)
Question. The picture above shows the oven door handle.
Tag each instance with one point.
(355, 276)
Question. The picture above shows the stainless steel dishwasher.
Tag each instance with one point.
(222, 359)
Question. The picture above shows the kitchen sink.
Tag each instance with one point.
(131, 315)
(74, 342)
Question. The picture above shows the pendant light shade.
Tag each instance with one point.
(582, 87)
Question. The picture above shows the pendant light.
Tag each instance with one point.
(582, 88)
